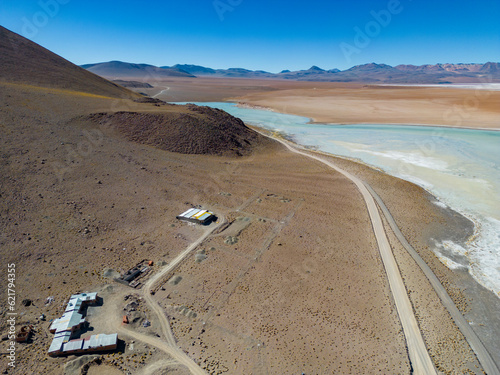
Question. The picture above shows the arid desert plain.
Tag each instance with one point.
(288, 280)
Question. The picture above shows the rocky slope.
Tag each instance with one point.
(199, 130)
(25, 62)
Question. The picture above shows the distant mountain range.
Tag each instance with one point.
(366, 73)
(119, 69)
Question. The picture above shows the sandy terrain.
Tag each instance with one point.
(387, 105)
(294, 284)
(343, 103)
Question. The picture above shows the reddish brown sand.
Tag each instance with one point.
(345, 103)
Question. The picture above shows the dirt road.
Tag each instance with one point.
(475, 343)
(169, 346)
(150, 284)
(419, 357)
(161, 92)
(177, 354)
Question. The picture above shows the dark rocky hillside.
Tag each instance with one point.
(199, 130)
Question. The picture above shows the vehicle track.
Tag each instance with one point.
(419, 357)
(475, 343)
(169, 346)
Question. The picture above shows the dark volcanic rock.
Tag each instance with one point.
(197, 130)
(133, 84)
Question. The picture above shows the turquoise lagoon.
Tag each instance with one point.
(460, 167)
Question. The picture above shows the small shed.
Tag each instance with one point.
(196, 215)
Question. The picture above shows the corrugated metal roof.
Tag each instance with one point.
(65, 335)
(85, 296)
(188, 213)
(56, 345)
(67, 321)
(72, 318)
(73, 345)
(196, 214)
(199, 213)
(205, 216)
(59, 340)
(100, 340)
(74, 304)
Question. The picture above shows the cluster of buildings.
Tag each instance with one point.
(72, 321)
(68, 326)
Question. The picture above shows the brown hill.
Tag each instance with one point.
(23, 61)
(189, 130)
(184, 129)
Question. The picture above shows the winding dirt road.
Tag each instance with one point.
(419, 357)
(161, 92)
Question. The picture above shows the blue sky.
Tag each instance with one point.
(270, 35)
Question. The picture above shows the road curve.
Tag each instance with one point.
(419, 357)
(161, 92)
(475, 343)
(169, 346)
(177, 354)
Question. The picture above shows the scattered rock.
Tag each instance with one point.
(110, 273)
(198, 130)
(175, 280)
(26, 302)
(230, 240)
(199, 257)
(132, 306)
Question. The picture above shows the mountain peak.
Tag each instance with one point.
(371, 66)
(314, 67)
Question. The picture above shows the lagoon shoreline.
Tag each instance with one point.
(408, 204)
(478, 304)
(413, 156)
(424, 223)
(313, 122)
